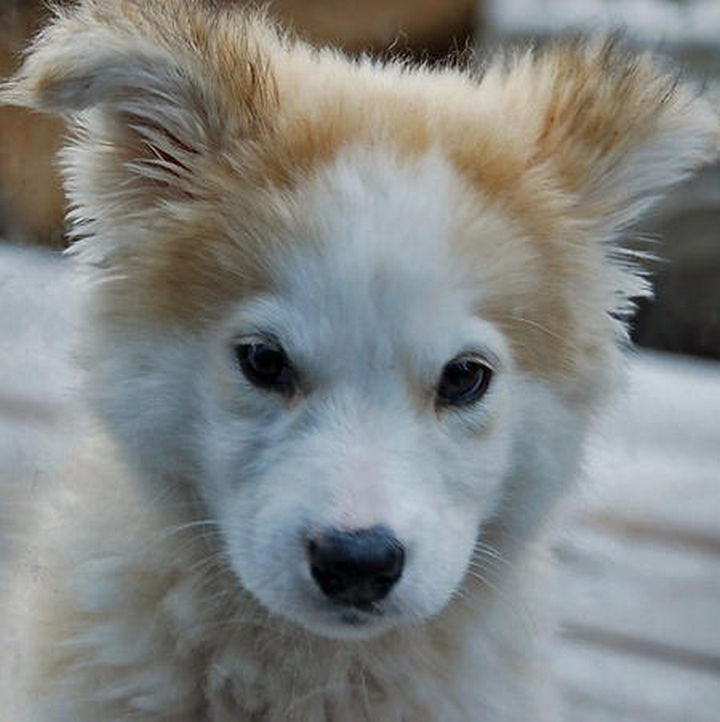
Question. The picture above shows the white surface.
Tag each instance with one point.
(39, 305)
(656, 454)
(603, 686)
(691, 21)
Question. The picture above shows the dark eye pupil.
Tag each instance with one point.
(265, 366)
(266, 361)
(463, 382)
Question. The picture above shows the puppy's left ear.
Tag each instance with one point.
(152, 88)
(608, 126)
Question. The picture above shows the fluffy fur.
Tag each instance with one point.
(377, 221)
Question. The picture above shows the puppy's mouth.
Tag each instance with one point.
(339, 621)
(357, 618)
(359, 614)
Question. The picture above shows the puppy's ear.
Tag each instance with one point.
(608, 126)
(151, 89)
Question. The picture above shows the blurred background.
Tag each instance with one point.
(640, 565)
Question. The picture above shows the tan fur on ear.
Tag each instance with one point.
(100, 50)
(598, 122)
(618, 130)
(164, 81)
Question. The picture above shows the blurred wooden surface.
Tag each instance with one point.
(640, 593)
(31, 200)
(639, 589)
(429, 28)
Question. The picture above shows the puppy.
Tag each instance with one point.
(350, 323)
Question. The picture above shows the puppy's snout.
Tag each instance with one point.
(356, 568)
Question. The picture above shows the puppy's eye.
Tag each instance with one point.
(265, 365)
(464, 381)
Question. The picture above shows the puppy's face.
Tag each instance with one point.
(355, 416)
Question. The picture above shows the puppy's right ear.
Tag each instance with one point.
(152, 89)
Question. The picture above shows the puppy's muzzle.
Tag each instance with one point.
(356, 568)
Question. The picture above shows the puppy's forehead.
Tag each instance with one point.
(377, 257)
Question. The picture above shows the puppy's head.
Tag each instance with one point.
(361, 312)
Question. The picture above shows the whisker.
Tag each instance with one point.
(189, 525)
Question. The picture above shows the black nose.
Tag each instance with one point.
(356, 568)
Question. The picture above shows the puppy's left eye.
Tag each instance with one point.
(265, 365)
(464, 381)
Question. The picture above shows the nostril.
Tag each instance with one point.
(357, 567)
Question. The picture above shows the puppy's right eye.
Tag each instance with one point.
(265, 365)
(464, 381)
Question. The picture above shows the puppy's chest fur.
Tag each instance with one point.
(123, 614)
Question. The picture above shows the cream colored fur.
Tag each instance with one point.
(376, 221)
